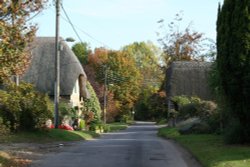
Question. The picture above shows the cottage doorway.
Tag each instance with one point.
(82, 84)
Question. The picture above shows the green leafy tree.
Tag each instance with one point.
(82, 51)
(125, 78)
(147, 57)
(233, 65)
(16, 34)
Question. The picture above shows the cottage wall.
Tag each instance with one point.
(75, 96)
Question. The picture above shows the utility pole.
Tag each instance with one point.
(105, 95)
(57, 66)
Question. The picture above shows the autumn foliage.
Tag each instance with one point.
(184, 44)
(16, 35)
(132, 74)
(123, 80)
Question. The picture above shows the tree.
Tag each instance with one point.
(94, 61)
(122, 74)
(81, 51)
(123, 79)
(16, 34)
(146, 56)
(184, 44)
(233, 65)
(126, 78)
(157, 105)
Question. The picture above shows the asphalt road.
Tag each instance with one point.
(138, 146)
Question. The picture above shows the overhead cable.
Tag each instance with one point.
(74, 29)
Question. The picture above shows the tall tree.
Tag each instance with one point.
(125, 77)
(233, 65)
(122, 74)
(183, 44)
(16, 34)
(95, 60)
(147, 57)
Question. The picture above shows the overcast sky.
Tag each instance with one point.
(115, 23)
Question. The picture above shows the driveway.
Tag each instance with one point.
(138, 146)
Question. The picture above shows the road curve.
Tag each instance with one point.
(138, 146)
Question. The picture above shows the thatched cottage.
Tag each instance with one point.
(41, 72)
(188, 78)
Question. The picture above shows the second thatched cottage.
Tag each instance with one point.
(188, 78)
(41, 72)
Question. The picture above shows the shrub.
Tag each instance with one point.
(181, 100)
(106, 128)
(126, 118)
(23, 108)
(4, 129)
(207, 108)
(195, 127)
(162, 121)
(91, 110)
(157, 106)
(206, 111)
(81, 124)
(189, 110)
(67, 113)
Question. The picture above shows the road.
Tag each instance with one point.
(138, 146)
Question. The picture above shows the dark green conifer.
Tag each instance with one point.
(233, 65)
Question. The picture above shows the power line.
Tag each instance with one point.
(78, 36)
(74, 29)
(70, 22)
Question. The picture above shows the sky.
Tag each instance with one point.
(116, 23)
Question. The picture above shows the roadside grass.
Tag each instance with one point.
(56, 135)
(161, 122)
(116, 126)
(210, 150)
(130, 122)
(52, 135)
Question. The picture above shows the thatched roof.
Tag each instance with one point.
(188, 78)
(41, 72)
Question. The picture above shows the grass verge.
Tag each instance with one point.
(116, 126)
(210, 149)
(51, 135)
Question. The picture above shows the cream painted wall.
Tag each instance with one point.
(74, 97)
